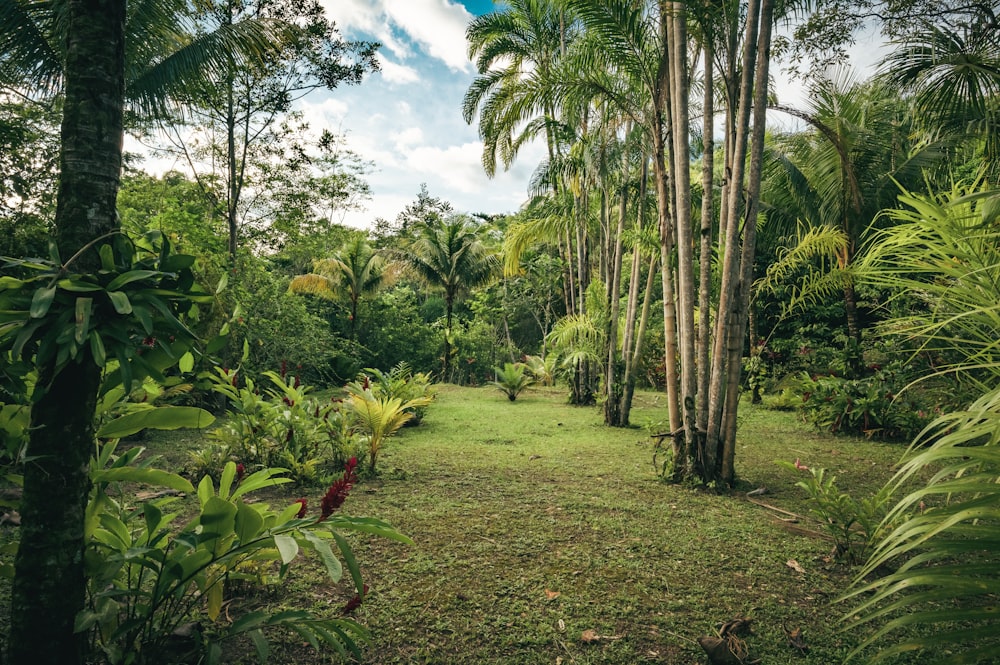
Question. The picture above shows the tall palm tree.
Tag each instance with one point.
(449, 255)
(515, 50)
(356, 270)
(163, 55)
(49, 585)
(953, 75)
(848, 169)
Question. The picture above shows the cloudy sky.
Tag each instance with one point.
(407, 119)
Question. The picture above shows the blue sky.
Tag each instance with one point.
(407, 119)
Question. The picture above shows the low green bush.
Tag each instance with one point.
(158, 592)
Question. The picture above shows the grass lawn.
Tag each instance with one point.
(544, 537)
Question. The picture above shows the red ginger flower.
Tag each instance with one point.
(303, 506)
(337, 494)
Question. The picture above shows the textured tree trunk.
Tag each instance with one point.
(613, 382)
(728, 310)
(738, 331)
(661, 176)
(630, 377)
(676, 15)
(705, 250)
(49, 584)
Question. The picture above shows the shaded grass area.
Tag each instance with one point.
(535, 524)
(543, 536)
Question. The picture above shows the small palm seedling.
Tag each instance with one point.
(512, 379)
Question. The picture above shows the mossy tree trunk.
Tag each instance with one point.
(49, 585)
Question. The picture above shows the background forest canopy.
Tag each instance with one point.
(671, 240)
(634, 200)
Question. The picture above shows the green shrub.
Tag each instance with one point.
(512, 379)
(854, 524)
(400, 383)
(875, 406)
(150, 582)
(280, 425)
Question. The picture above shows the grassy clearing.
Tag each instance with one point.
(534, 524)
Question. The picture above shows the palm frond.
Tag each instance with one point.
(950, 574)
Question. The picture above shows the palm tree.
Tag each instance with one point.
(356, 270)
(379, 417)
(49, 587)
(846, 171)
(944, 558)
(515, 50)
(162, 55)
(93, 52)
(953, 75)
(448, 255)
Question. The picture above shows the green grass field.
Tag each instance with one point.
(544, 537)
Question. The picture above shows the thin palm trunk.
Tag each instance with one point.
(631, 376)
(705, 252)
(676, 14)
(728, 310)
(738, 325)
(614, 388)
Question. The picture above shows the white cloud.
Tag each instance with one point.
(329, 112)
(368, 19)
(394, 73)
(410, 136)
(437, 26)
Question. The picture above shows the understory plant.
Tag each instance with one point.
(855, 525)
(943, 592)
(400, 382)
(278, 424)
(878, 406)
(512, 379)
(377, 417)
(156, 592)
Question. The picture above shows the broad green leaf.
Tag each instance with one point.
(186, 363)
(223, 283)
(352, 563)
(120, 301)
(97, 349)
(107, 255)
(41, 301)
(77, 286)
(163, 417)
(206, 490)
(249, 523)
(287, 547)
(218, 518)
(260, 644)
(213, 600)
(177, 262)
(131, 474)
(153, 516)
(131, 276)
(250, 621)
(226, 481)
(325, 554)
(12, 283)
(83, 308)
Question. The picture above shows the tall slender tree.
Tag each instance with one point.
(450, 256)
(49, 586)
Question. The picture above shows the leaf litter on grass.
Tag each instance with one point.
(565, 532)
